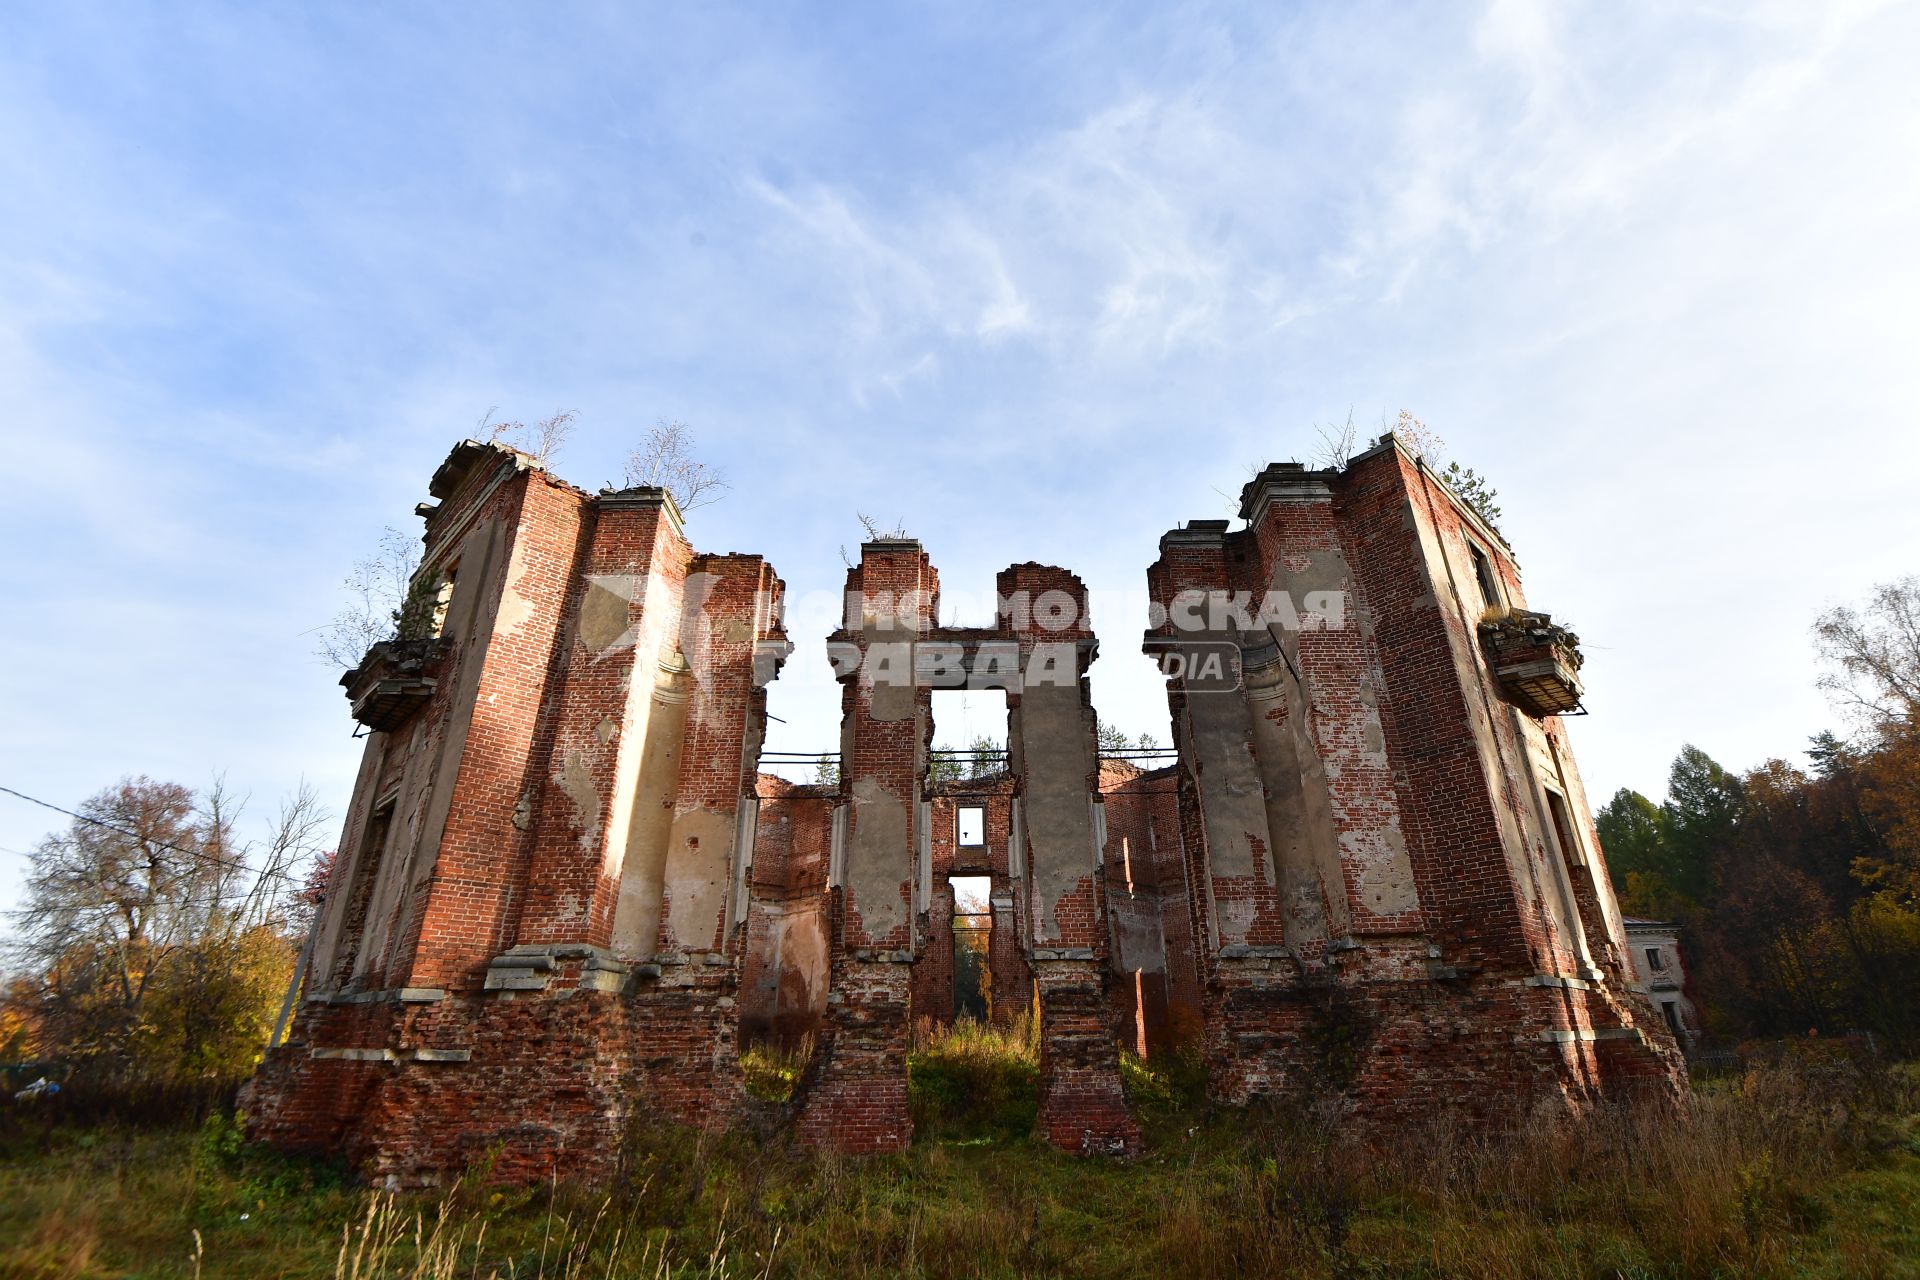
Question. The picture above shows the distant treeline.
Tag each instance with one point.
(1799, 891)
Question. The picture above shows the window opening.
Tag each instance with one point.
(970, 825)
(1489, 583)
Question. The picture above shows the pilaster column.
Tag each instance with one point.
(1054, 752)
(856, 1095)
(624, 642)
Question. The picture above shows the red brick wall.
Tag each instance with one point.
(1139, 805)
(1506, 1011)
(506, 837)
(572, 884)
(778, 1001)
(933, 971)
(466, 916)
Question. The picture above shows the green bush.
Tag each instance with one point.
(772, 1073)
(976, 1080)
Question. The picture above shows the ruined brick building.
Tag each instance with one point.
(566, 894)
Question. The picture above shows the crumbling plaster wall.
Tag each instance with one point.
(584, 896)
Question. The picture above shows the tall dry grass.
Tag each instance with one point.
(1805, 1167)
(975, 1080)
(1740, 1181)
(392, 1241)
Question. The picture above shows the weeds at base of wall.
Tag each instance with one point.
(1807, 1167)
(1164, 1088)
(975, 1081)
(970, 1081)
(773, 1073)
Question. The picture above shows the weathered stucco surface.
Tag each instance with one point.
(699, 870)
(1235, 801)
(570, 893)
(1053, 747)
(1337, 721)
(1313, 901)
(879, 857)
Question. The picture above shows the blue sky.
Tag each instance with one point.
(1038, 281)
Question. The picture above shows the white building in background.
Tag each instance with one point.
(1659, 971)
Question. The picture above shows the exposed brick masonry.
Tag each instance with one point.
(567, 894)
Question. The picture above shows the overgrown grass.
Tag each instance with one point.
(1165, 1088)
(975, 1081)
(772, 1073)
(1804, 1168)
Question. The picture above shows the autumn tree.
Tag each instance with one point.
(1799, 890)
(154, 938)
(1872, 655)
(1872, 660)
(19, 1019)
(1419, 437)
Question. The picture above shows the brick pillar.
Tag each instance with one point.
(856, 1098)
(1338, 751)
(934, 965)
(515, 561)
(1055, 755)
(1306, 852)
(1248, 937)
(693, 834)
(1236, 897)
(627, 609)
(731, 619)
(1083, 1108)
(1012, 980)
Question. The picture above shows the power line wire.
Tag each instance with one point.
(201, 854)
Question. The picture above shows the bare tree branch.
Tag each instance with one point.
(540, 442)
(375, 591)
(1874, 655)
(1336, 445)
(665, 459)
(877, 532)
(293, 842)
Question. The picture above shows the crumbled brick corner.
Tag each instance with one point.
(1345, 890)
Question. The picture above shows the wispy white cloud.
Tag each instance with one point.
(1647, 267)
(1124, 236)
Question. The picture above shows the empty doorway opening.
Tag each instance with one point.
(972, 947)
